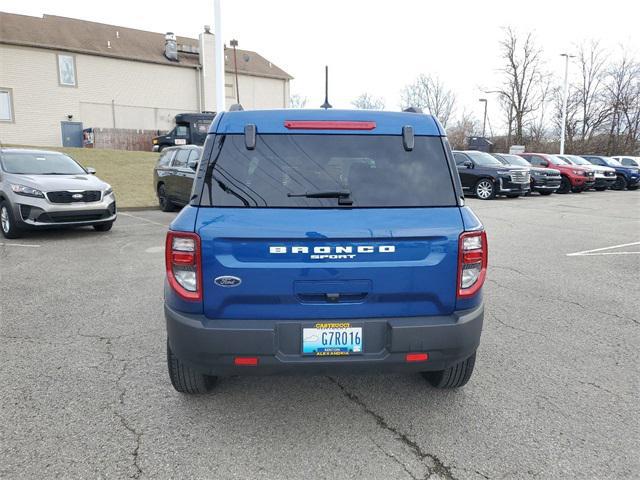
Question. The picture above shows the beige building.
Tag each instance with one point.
(60, 75)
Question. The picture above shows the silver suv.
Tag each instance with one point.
(40, 189)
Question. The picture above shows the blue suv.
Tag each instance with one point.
(323, 241)
(627, 177)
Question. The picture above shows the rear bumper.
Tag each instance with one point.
(211, 345)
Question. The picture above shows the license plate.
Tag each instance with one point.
(326, 339)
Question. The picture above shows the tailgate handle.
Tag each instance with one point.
(332, 297)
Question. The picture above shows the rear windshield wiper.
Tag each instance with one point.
(343, 196)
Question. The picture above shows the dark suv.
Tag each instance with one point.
(543, 180)
(173, 175)
(485, 176)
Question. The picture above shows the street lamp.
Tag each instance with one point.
(234, 44)
(564, 100)
(484, 122)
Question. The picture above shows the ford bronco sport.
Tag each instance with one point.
(324, 241)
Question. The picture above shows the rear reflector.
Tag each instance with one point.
(328, 125)
(246, 361)
(417, 357)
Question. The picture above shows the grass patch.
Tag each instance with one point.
(129, 173)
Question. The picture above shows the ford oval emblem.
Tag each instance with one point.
(227, 281)
(76, 196)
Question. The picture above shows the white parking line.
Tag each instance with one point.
(143, 219)
(600, 251)
(18, 245)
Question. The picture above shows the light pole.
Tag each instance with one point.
(564, 100)
(484, 122)
(234, 44)
(219, 56)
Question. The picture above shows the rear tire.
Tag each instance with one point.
(600, 189)
(455, 376)
(166, 205)
(103, 227)
(545, 193)
(8, 224)
(565, 185)
(485, 189)
(577, 189)
(184, 378)
(621, 183)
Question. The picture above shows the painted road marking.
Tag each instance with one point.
(143, 219)
(18, 245)
(601, 251)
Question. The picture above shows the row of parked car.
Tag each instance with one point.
(482, 174)
(489, 175)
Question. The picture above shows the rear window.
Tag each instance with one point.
(371, 170)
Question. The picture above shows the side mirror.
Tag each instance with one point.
(91, 170)
(193, 166)
(468, 164)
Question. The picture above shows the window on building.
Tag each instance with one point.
(67, 70)
(230, 90)
(6, 105)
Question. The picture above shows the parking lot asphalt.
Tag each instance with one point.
(85, 392)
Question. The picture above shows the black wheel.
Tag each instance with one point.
(453, 377)
(184, 378)
(546, 193)
(8, 223)
(485, 189)
(621, 183)
(103, 227)
(565, 185)
(513, 195)
(600, 189)
(577, 189)
(166, 205)
(635, 187)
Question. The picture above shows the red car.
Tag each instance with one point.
(574, 177)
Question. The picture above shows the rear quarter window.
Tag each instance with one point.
(375, 170)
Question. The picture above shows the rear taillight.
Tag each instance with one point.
(472, 262)
(184, 266)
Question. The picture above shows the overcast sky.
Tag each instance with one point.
(375, 46)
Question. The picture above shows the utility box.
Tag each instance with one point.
(516, 149)
(480, 143)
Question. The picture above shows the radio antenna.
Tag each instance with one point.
(326, 103)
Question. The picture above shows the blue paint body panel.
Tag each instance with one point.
(272, 122)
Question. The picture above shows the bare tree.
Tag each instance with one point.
(464, 127)
(297, 101)
(366, 101)
(591, 60)
(523, 75)
(622, 90)
(431, 95)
